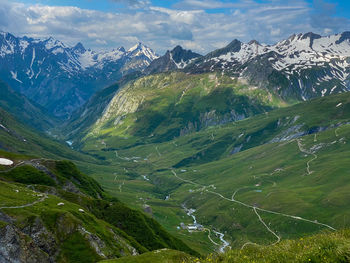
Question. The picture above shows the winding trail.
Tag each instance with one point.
(26, 205)
(308, 164)
(255, 209)
(209, 236)
(249, 243)
(307, 152)
(33, 162)
(158, 151)
(121, 185)
(235, 192)
(271, 212)
(336, 132)
(269, 229)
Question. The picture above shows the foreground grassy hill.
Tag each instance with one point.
(318, 248)
(157, 256)
(323, 247)
(273, 176)
(50, 211)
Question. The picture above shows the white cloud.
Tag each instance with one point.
(134, 3)
(163, 28)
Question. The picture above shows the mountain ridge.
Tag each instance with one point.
(175, 59)
(62, 78)
(301, 67)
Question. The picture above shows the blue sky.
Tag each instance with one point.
(200, 25)
(342, 7)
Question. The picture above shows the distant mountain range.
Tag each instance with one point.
(301, 67)
(61, 78)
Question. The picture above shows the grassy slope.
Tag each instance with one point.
(279, 170)
(158, 256)
(63, 227)
(26, 111)
(325, 248)
(163, 106)
(110, 220)
(20, 138)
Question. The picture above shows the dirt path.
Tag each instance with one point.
(336, 132)
(26, 205)
(255, 209)
(159, 154)
(269, 229)
(249, 243)
(301, 148)
(235, 192)
(271, 212)
(209, 236)
(32, 162)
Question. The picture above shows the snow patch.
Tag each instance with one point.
(14, 76)
(4, 161)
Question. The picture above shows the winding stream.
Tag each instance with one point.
(225, 244)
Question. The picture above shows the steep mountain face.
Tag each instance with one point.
(24, 110)
(162, 106)
(178, 58)
(301, 67)
(62, 78)
(81, 119)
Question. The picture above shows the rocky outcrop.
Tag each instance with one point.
(211, 118)
(16, 247)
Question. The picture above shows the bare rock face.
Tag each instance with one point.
(18, 247)
(178, 58)
(42, 238)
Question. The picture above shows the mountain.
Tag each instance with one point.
(61, 78)
(301, 67)
(178, 58)
(24, 110)
(163, 106)
(83, 118)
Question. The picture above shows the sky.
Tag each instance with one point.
(199, 25)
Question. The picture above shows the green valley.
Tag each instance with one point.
(276, 175)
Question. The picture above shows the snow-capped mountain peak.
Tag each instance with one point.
(306, 65)
(138, 46)
(79, 48)
(178, 58)
(46, 70)
(141, 50)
